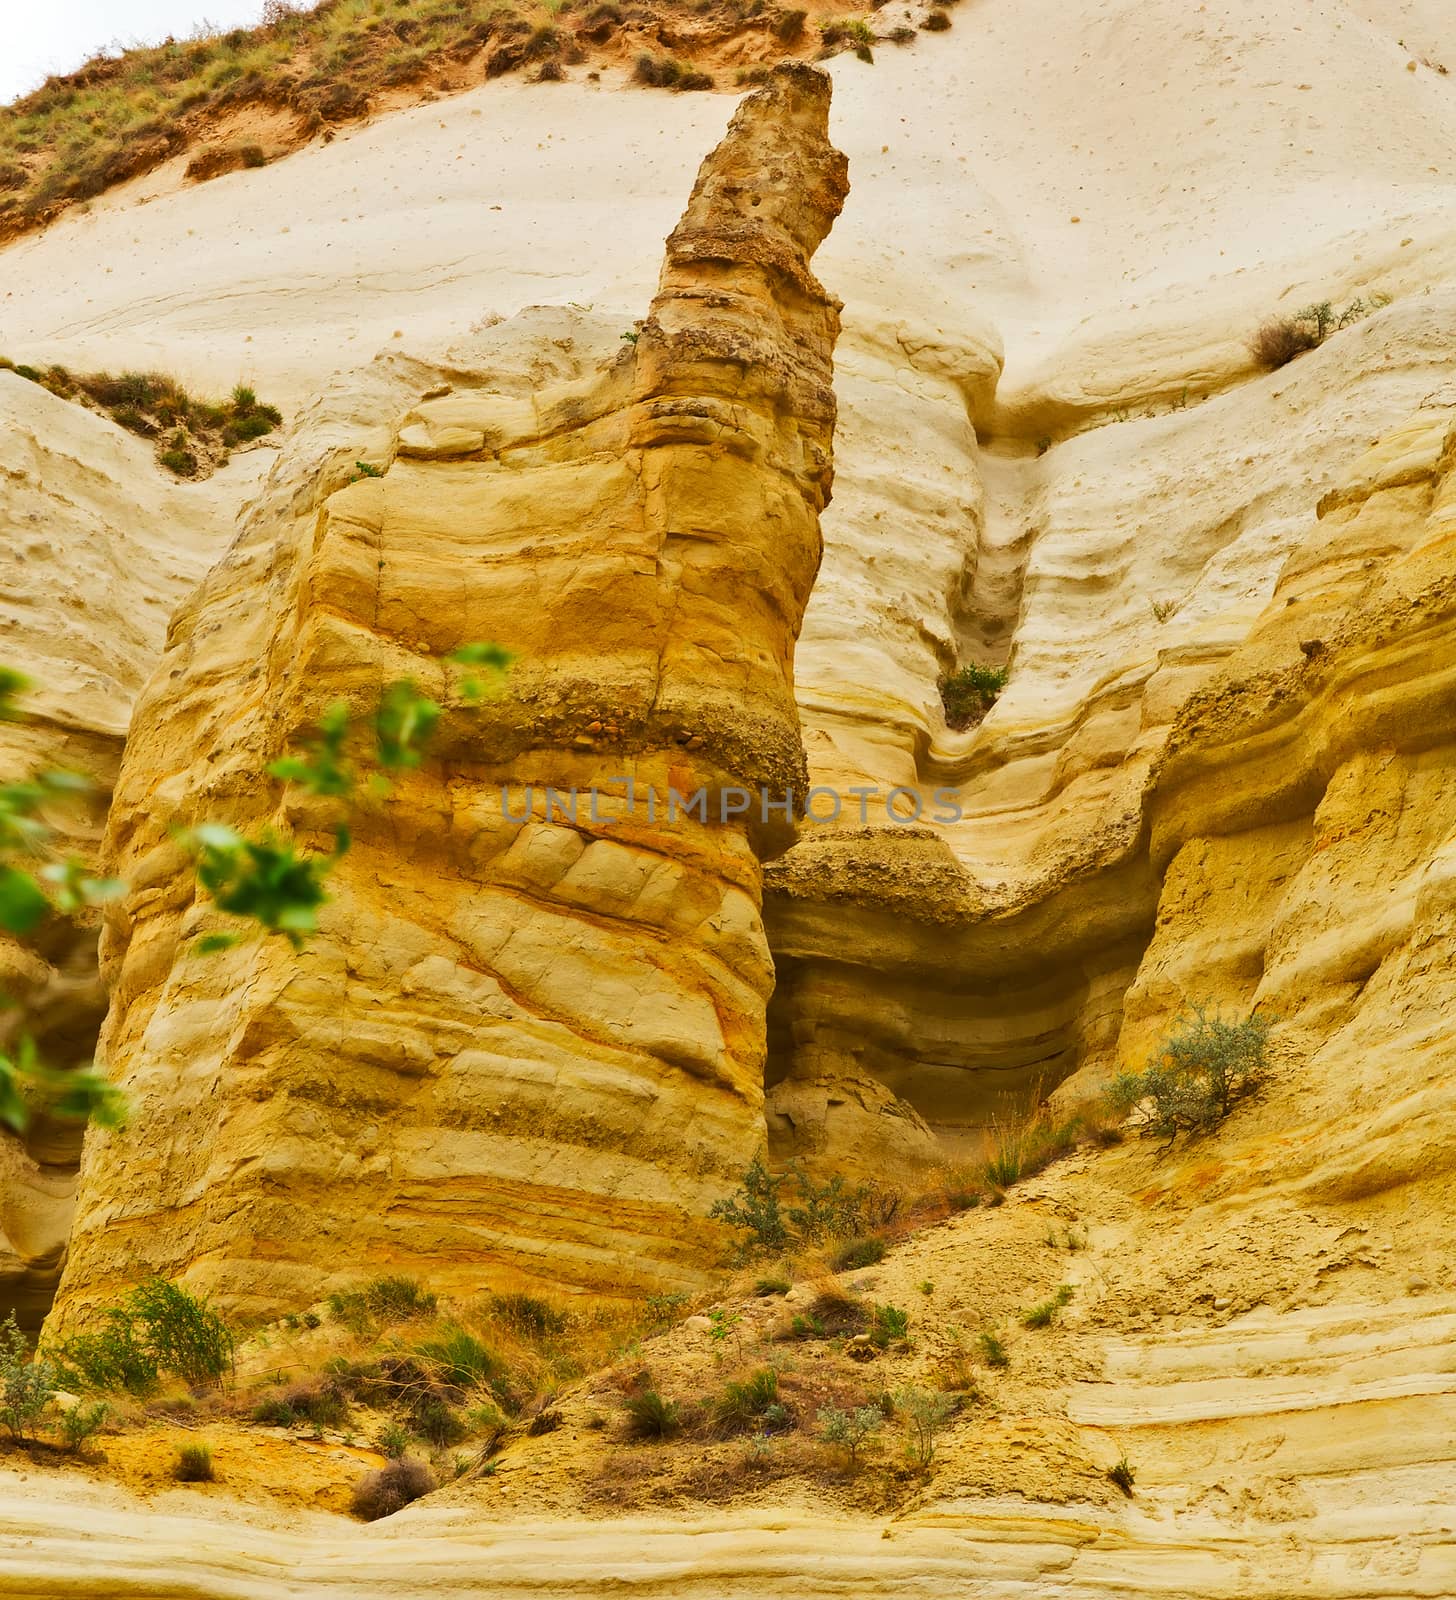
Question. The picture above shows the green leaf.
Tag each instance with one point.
(12, 683)
(14, 1113)
(322, 769)
(59, 781)
(211, 943)
(85, 1096)
(216, 836)
(482, 654)
(403, 724)
(292, 769)
(22, 905)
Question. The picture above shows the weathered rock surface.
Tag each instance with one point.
(973, 964)
(513, 1050)
(96, 548)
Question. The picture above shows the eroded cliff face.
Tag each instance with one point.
(1303, 817)
(95, 551)
(972, 966)
(516, 1049)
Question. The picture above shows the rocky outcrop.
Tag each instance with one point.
(973, 965)
(528, 1040)
(96, 548)
(1304, 818)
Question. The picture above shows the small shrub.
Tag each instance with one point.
(993, 1352)
(1197, 1076)
(649, 1416)
(756, 1209)
(393, 1440)
(367, 469)
(836, 1313)
(742, 1404)
(925, 1416)
(1123, 1474)
(1279, 340)
(657, 72)
(856, 1253)
(663, 1309)
(827, 1210)
(324, 1405)
(891, 1326)
(79, 1422)
(438, 1422)
(391, 1488)
(459, 1358)
(194, 1464)
(275, 1412)
(180, 461)
(850, 1429)
(528, 1315)
(969, 693)
(771, 1286)
(936, 22)
(1045, 1314)
(183, 1332)
(393, 1299)
(25, 1384)
(158, 1328)
(115, 1358)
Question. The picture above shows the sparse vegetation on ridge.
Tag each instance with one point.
(1279, 340)
(308, 68)
(192, 436)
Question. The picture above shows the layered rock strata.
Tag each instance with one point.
(970, 966)
(96, 547)
(528, 1040)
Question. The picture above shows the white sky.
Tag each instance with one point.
(38, 37)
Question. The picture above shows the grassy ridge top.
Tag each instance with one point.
(120, 116)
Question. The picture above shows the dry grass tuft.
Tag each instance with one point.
(394, 1486)
(1279, 340)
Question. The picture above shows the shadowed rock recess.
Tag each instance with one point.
(513, 1050)
(96, 549)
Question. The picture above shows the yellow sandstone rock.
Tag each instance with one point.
(517, 1048)
(96, 548)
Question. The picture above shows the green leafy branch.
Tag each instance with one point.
(265, 880)
(27, 898)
